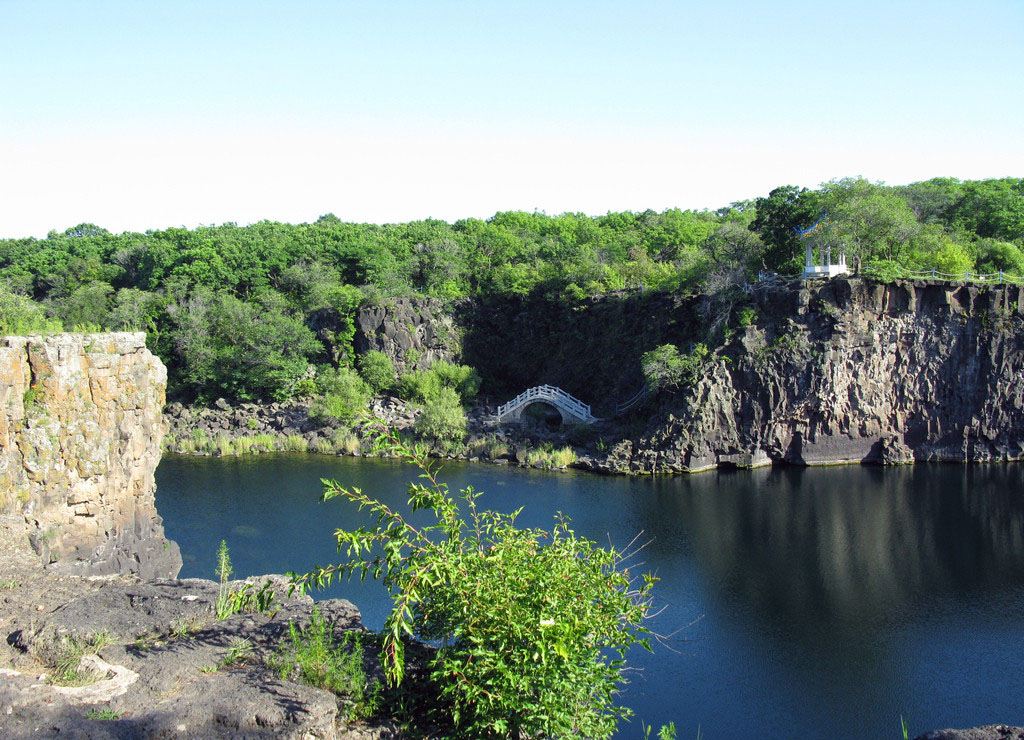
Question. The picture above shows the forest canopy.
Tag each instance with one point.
(231, 310)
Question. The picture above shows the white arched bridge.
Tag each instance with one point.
(572, 409)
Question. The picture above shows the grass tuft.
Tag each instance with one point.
(315, 658)
(68, 657)
(549, 457)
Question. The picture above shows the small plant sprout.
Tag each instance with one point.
(224, 571)
(103, 714)
(239, 653)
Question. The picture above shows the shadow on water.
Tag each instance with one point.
(830, 597)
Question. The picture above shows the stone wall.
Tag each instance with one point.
(80, 433)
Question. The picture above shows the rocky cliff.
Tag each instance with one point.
(838, 371)
(80, 432)
(852, 371)
(414, 333)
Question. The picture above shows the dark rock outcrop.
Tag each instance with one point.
(988, 732)
(413, 333)
(852, 371)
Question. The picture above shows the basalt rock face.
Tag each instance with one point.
(837, 371)
(80, 432)
(414, 333)
(847, 371)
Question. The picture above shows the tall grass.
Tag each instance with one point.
(244, 445)
(347, 442)
(67, 657)
(547, 456)
(267, 441)
(225, 445)
(489, 448)
(296, 443)
(315, 657)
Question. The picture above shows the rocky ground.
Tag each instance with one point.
(164, 666)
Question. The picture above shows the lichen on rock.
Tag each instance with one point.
(80, 432)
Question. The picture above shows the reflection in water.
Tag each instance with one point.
(854, 543)
(831, 595)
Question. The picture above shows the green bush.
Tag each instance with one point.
(421, 386)
(304, 388)
(667, 367)
(884, 270)
(953, 259)
(344, 394)
(531, 625)
(994, 256)
(464, 379)
(443, 418)
(377, 370)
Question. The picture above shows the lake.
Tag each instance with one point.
(821, 602)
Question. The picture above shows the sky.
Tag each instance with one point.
(141, 115)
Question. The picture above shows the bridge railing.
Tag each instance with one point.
(966, 276)
(869, 270)
(637, 397)
(547, 393)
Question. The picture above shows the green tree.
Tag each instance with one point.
(135, 310)
(21, 315)
(869, 221)
(532, 626)
(734, 246)
(667, 367)
(784, 209)
(991, 209)
(224, 346)
(88, 305)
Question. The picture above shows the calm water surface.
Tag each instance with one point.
(823, 602)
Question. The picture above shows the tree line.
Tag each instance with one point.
(239, 311)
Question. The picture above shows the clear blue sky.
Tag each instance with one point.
(141, 114)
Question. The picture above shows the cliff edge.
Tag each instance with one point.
(80, 432)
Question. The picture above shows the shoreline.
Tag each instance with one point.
(221, 430)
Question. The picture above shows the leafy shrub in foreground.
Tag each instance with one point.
(532, 625)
